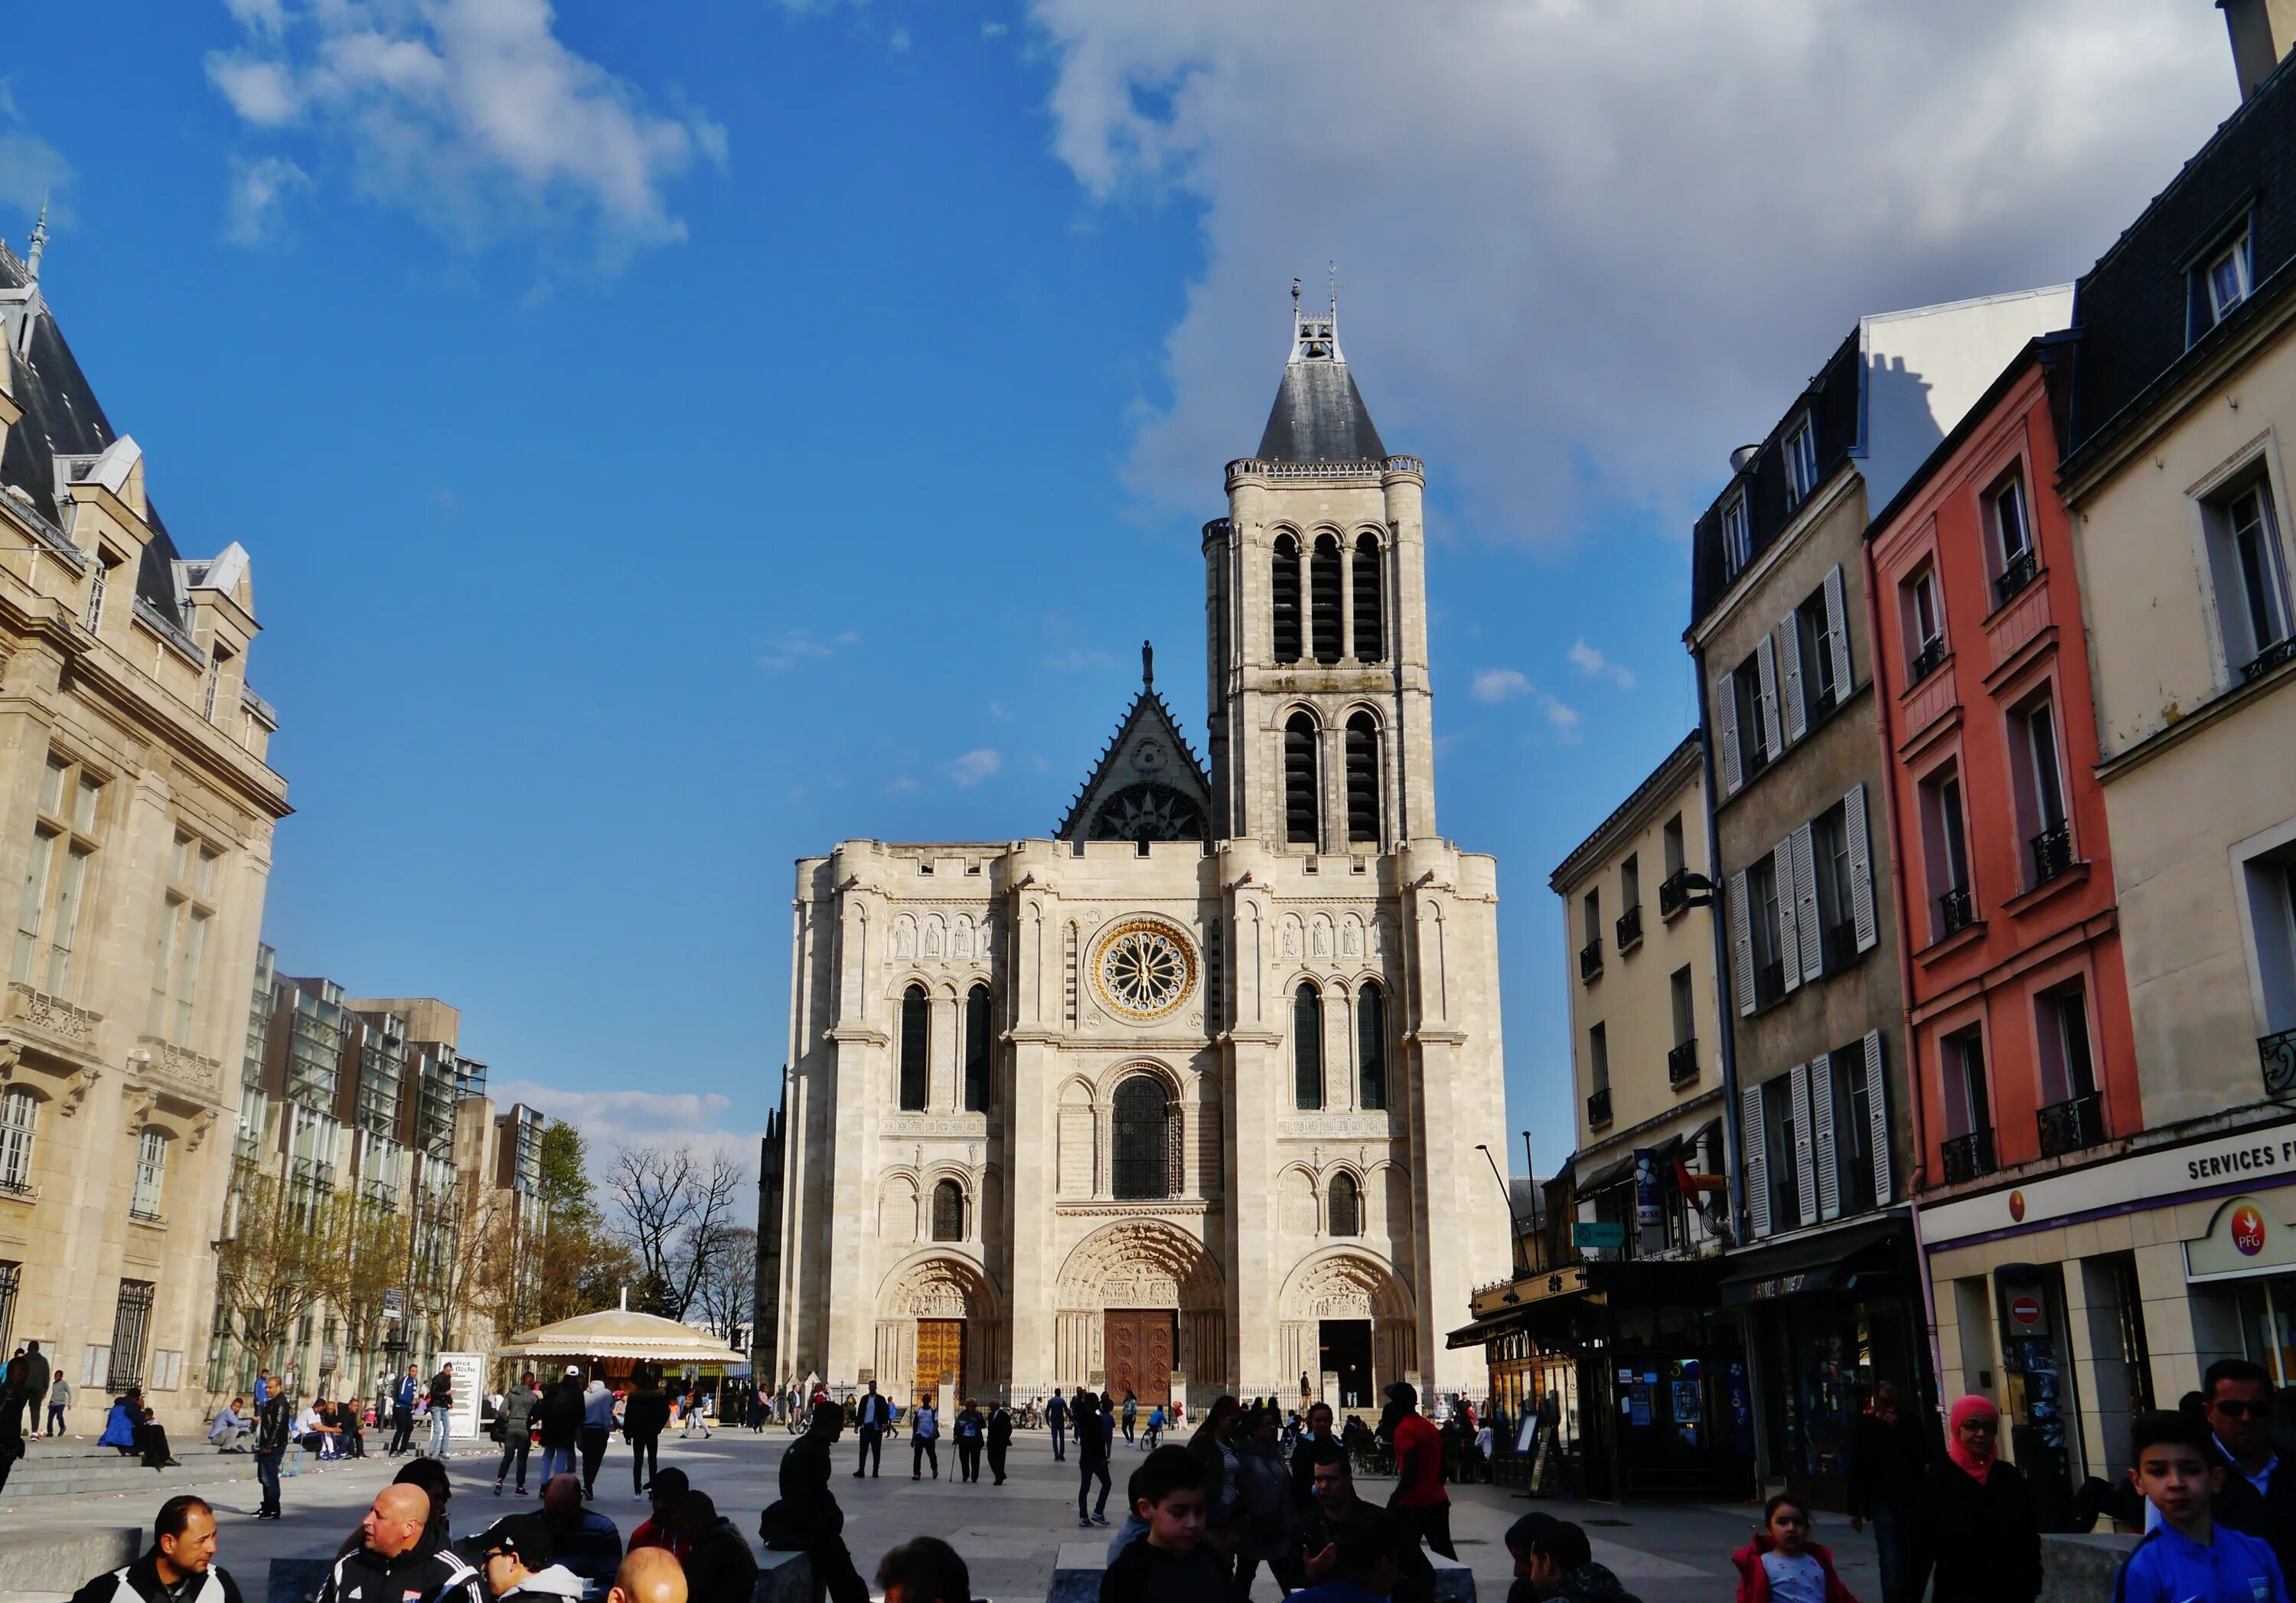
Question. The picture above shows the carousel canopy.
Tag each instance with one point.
(619, 1333)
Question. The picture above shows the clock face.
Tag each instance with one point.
(1144, 968)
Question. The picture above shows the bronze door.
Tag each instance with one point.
(941, 1355)
(1140, 1346)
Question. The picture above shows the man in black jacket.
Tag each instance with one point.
(1000, 1438)
(807, 1519)
(2259, 1495)
(180, 1567)
(390, 1564)
(274, 1433)
(1314, 1438)
(1888, 1452)
(875, 1414)
(720, 1567)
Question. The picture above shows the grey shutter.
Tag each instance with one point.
(1877, 1100)
(1821, 1121)
(1861, 867)
(1789, 939)
(1725, 718)
(1757, 1172)
(1812, 956)
(1837, 631)
(1765, 665)
(1741, 946)
(1805, 1168)
(1788, 637)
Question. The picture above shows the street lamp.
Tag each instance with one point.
(1514, 1226)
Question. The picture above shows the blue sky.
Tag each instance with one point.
(673, 438)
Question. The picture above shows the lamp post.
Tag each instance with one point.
(1514, 1226)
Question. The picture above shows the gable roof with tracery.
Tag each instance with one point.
(1148, 785)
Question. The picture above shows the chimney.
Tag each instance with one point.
(2262, 31)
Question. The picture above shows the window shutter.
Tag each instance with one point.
(1789, 946)
(1805, 1169)
(1877, 1099)
(1812, 955)
(1821, 1123)
(1765, 665)
(1861, 865)
(1789, 639)
(1837, 631)
(1742, 945)
(1725, 718)
(1757, 1171)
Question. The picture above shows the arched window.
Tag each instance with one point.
(1300, 812)
(976, 1049)
(1324, 596)
(1307, 1046)
(20, 1121)
(916, 1034)
(1345, 1216)
(948, 1211)
(1371, 635)
(1143, 1167)
(1287, 599)
(1370, 1045)
(1362, 780)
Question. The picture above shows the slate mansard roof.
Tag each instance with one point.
(1319, 415)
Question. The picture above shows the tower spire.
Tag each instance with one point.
(39, 244)
(1148, 665)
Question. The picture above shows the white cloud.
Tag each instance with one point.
(1592, 663)
(992, 30)
(31, 171)
(625, 1118)
(1495, 684)
(974, 765)
(899, 40)
(258, 189)
(1588, 245)
(470, 113)
(1078, 660)
(799, 646)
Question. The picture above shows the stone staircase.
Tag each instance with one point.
(75, 1466)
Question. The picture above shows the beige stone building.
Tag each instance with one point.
(137, 811)
(1185, 1099)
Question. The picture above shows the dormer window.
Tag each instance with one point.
(2225, 282)
(1801, 463)
(1737, 538)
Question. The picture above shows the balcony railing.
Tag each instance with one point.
(1590, 958)
(1841, 945)
(2072, 1125)
(2278, 1052)
(1769, 983)
(1925, 663)
(1598, 1109)
(2271, 657)
(1682, 1063)
(2016, 575)
(1673, 893)
(1956, 910)
(2052, 853)
(1968, 1156)
(1630, 926)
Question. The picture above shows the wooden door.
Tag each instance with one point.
(1140, 1343)
(940, 1352)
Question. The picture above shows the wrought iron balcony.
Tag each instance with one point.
(2052, 853)
(2016, 575)
(1590, 958)
(1598, 1109)
(1925, 663)
(1630, 926)
(2278, 1052)
(2271, 657)
(1682, 1063)
(2071, 1125)
(1957, 910)
(1673, 893)
(1968, 1156)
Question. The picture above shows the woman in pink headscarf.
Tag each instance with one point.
(1977, 1515)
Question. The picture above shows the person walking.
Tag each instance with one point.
(999, 1438)
(442, 1403)
(597, 1430)
(60, 1396)
(970, 1426)
(402, 1408)
(36, 1385)
(1131, 1413)
(1888, 1454)
(924, 1440)
(1977, 1517)
(561, 1424)
(275, 1429)
(1091, 1433)
(11, 1417)
(392, 1560)
(179, 1568)
(1421, 1504)
(805, 1519)
(516, 1420)
(1057, 1419)
(1263, 1506)
(645, 1415)
(875, 1414)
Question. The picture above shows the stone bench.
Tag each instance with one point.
(295, 1580)
(2082, 1569)
(784, 1578)
(48, 1560)
(1076, 1575)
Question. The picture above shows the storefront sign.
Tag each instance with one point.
(1647, 1206)
(1778, 1286)
(1601, 1234)
(2253, 1160)
(2025, 1309)
(2246, 1238)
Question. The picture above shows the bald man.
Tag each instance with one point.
(391, 1561)
(648, 1575)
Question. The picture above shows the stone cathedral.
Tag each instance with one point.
(1185, 1098)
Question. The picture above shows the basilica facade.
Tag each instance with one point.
(1185, 1098)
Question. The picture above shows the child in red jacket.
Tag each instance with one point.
(1782, 1564)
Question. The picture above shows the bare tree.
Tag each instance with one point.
(729, 1282)
(365, 1258)
(675, 1207)
(273, 1262)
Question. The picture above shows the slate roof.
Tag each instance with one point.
(64, 418)
(1319, 415)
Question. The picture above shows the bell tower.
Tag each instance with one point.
(1315, 603)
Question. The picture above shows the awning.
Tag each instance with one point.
(1664, 1148)
(1546, 1299)
(619, 1333)
(1821, 1262)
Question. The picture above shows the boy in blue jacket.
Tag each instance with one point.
(2190, 1558)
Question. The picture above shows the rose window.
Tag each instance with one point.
(1144, 969)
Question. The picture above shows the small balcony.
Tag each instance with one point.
(1966, 1157)
(1681, 1064)
(2015, 576)
(2278, 1052)
(1926, 660)
(2271, 657)
(1590, 958)
(1674, 894)
(2072, 1125)
(1598, 1109)
(1956, 910)
(1769, 983)
(1841, 945)
(2052, 853)
(1630, 927)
